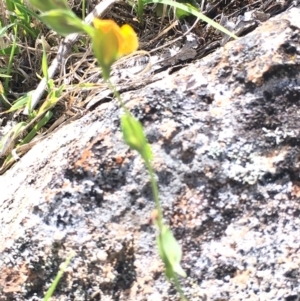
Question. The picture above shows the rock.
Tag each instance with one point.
(225, 134)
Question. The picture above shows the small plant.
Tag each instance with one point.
(109, 43)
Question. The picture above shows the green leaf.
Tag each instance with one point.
(27, 11)
(8, 50)
(4, 75)
(3, 100)
(21, 102)
(46, 5)
(159, 10)
(50, 101)
(170, 253)
(180, 13)
(134, 136)
(64, 22)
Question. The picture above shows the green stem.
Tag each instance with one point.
(179, 290)
(155, 195)
(60, 273)
(83, 9)
(117, 95)
(140, 11)
(147, 163)
(159, 219)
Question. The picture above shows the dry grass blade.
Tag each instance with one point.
(2, 12)
(64, 50)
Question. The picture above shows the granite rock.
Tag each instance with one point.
(226, 140)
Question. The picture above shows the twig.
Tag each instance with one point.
(64, 50)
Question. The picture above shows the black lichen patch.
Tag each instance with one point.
(274, 111)
(223, 270)
(283, 74)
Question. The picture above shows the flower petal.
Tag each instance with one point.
(130, 42)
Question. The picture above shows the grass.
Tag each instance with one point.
(22, 26)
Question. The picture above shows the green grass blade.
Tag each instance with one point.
(36, 128)
(4, 75)
(12, 54)
(20, 103)
(44, 61)
(57, 278)
(140, 11)
(196, 14)
(4, 29)
(28, 11)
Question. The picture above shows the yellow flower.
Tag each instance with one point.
(111, 41)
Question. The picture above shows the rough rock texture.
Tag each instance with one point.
(226, 138)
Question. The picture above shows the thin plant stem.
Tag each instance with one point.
(147, 163)
(179, 289)
(83, 9)
(140, 11)
(155, 195)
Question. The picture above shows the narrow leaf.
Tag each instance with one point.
(170, 253)
(44, 60)
(36, 128)
(58, 276)
(134, 136)
(4, 29)
(46, 5)
(20, 103)
(64, 22)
